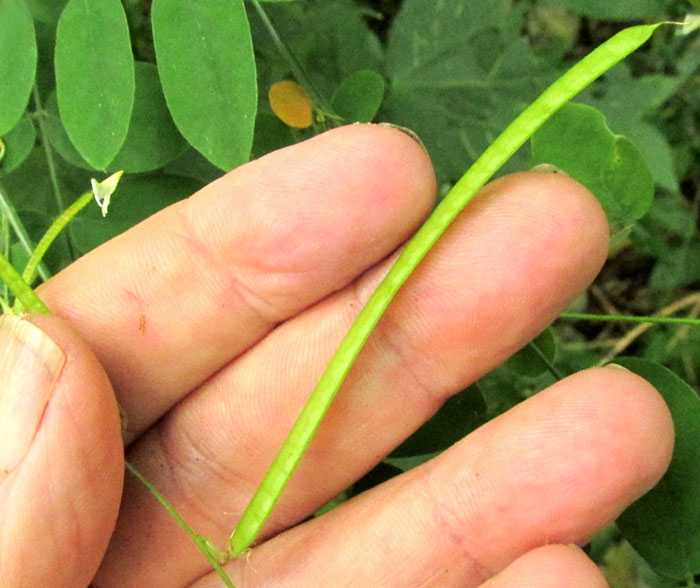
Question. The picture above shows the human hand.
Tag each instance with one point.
(214, 319)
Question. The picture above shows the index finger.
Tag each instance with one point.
(168, 303)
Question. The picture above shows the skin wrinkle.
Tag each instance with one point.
(386, 338)
(178, 450)
(222, 285)
(196, 496)
(230, 283)
(186, 490)
(449, 524)
(597, 470)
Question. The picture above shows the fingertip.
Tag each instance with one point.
(573, 207)
(626, 433)
(394, 158)
(63, 498)
(646, 413)
(328, 207)
(550, 566)
(570, 188)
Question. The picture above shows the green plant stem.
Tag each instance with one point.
(513, 137)
(22, 291)
(622, 318)
(50, 235)
(50, 162)
(8, 211)
(213, 555)
(316, 97)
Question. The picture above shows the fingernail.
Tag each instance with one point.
(405, 131)
(549, 168)
(30, 363)
(617, 366)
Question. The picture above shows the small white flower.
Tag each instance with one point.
(102, 191)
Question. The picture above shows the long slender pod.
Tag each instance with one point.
(513, 137)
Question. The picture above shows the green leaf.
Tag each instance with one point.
(95, 77)
(359, 96)
(30, 191)
(19, 143)
(459, 416)
(136, 199)
(152, 140)
(664, 525)
(192, 164)
(207, 69)
(18, 58)
(578, 141)
(630, 104)
(527, 363)
(459, 71)
(425, 30)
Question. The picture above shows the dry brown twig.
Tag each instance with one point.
(629, 338)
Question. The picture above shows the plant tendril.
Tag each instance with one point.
(214, 556)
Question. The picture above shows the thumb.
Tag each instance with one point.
(61, 455)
